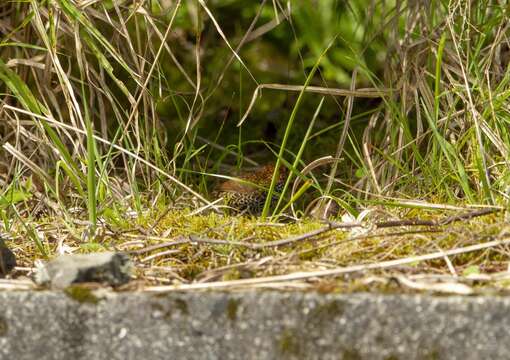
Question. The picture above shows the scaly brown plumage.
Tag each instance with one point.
(249, 193)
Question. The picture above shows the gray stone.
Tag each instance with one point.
(7, 259)
(252, 325)
(106, 267)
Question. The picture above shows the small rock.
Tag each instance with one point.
(107, 267)
(7, 259)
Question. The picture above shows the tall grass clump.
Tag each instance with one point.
(112, 105)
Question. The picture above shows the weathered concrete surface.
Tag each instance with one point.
(253, 325)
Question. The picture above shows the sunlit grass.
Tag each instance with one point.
(112, 110)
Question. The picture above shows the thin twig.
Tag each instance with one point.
(190, 240)
(331, 226)
(293, 239)
(158, 246)
(364, 237)
(385, 224)
(332, 272)
(468, 216)
(160, 254)
(205, 240)
(447, 221)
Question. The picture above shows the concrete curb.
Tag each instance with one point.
(252, 325)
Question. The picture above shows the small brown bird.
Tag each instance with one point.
(7, 259)
(249, 193)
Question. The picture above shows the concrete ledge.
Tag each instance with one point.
(253, 325)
